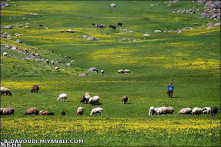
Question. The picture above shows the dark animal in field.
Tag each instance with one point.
(6, 111)
(80, 111)
(35, 88)
(5, 91)
(41, 25)
(31, 111)
(214, 110)
(93, 24)
(62, 113)
(50, 113)
(119, 24)
(84, 100)
(102, 72)
(112, 27)
(124, 99)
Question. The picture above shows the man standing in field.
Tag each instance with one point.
(170, 89)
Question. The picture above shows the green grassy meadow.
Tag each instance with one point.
(191, 60)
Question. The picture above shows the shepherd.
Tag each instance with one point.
(170, 89)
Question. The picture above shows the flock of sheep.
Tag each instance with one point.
(95, 101)
(194, 111)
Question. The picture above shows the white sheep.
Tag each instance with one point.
(151, 110)
(160, 110)
(52, 62)
(120, 71)
(127, 71)
(80, 111)
(5, 54)
(63, 97)
(94, 100)
(206, 110)
(96, 110)
(6, 91)
(197, 111)
(185, 111)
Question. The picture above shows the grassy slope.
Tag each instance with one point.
(190, 60)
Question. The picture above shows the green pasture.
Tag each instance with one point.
(191, 60)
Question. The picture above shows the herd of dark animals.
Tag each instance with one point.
(110, 26)
(84, 100)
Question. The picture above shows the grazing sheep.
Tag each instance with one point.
(47, 61)
(185, 111)
(100, 26)
(62, 97)
(62, 113)
(31, 111)
(80, 111)
(112, 5)
(94, 100)
(112, 27)
(6, 91)
(206, 110)
(5, 54)
(45, 112)
(70, 31)
(93, 69)
(7, 111)
(160, 110)
(93, 24)
(56, 68)
(127, 71)
(120, 71)
(102, 72)
(84, 100)
(26, 27)
(35, 88)
(197, 111)
(96, 110)
(124, 99)
(151, 111)
(169, 110)
(52, 62)
(214, 110)
(41, 25)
